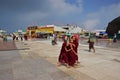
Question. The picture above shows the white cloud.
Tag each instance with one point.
(107, 12)
(51, 10)
(103, 16)
(62, 7)
(90, 24)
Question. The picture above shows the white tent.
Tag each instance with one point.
(56, 28)
(75, 30)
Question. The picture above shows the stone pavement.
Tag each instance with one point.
(7, 45)
(102, 65)
(13, 66)
(36, 60)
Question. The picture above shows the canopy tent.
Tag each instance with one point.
(59, 29)
(103, 33)
(21, 31)
(75, 30)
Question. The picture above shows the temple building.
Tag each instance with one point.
(113, 28)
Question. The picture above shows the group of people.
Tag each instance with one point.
(69, 50)
(68, 54)
(19, 37)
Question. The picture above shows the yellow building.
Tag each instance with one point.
(44, 31)
(31, 31)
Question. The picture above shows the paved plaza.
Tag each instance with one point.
(7, 45)
(37, 60)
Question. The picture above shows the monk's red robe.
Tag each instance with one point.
(63, 58)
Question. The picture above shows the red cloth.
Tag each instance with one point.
(63, 54)
(91, 45)
(75, 42)
(77, 36)
(71, 56)
(68, 57)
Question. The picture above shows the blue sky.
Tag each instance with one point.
(90, 14)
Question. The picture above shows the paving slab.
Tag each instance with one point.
(102, 65)
(36, 60)
(7, 45)
(14, 67)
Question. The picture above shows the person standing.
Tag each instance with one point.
(14, 36)
(91, 43)
(76, 43)
(71, 53)
(63, 58)
(67, 54)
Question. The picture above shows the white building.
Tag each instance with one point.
(73, 29)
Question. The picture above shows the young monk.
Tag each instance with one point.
(76, 43)
(71, 53)
(63, 58)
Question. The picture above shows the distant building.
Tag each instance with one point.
(31, 31)
(44, 31)
(73, 29)
(2, 32)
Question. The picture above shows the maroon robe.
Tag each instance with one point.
(71, 56)
(63, 54)
(91, 45)
(75, 42)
